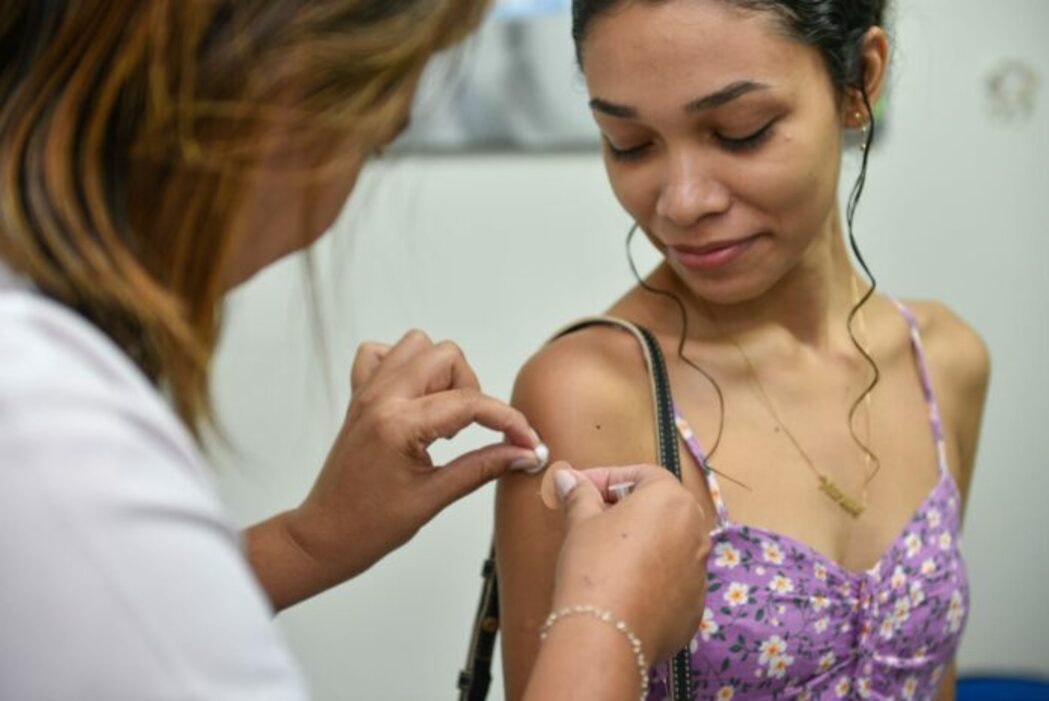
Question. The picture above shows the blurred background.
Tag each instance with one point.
(498, 241)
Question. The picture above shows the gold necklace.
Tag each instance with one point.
(828, 486)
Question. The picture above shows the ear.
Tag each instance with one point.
(875, 53)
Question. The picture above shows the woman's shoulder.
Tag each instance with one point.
(589, 387)
(960, 365)
(954, 349)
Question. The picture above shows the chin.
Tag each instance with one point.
(726, 289)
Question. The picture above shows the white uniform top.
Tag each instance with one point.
(121, 576)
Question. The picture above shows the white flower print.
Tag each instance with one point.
(864, 687)
(760, 571)
(772, 649)
(821, 625)
(771, 552)
(902, 611)
(726, 693)
(737, 594)
(781, 584)
(888, 627)
(778, 666)
(843, 687)
(820, 571)
(928, 567)
(708, 626)
(727, 556)
(910, 686)
(899, 578)
(945, 540)
(917, 594)
(913, 544)
(819, 602)
(933, 517)
(693, 646)
(827, 661)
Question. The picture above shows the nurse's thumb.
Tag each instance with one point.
(579, 496)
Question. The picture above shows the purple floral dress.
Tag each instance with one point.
(782, 621)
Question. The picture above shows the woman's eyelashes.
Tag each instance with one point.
(749, 142)
(626, 154)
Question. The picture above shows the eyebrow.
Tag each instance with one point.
(715, 99)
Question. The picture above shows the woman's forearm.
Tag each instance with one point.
(584, 658)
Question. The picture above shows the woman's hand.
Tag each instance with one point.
(644, 558)
(379, 485)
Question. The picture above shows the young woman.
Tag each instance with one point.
(831, 430)
(154, 153)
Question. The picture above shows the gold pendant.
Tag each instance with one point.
(848, 504)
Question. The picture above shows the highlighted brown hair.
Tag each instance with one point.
(127, 128)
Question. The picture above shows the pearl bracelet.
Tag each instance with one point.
(604, 616)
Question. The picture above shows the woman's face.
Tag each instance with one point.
(723, 139)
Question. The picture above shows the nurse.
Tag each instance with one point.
(153, 155)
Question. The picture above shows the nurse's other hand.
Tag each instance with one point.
(643, 559)
(379, 484)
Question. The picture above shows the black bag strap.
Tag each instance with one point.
(475, 679)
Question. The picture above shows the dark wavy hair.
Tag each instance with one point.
(837, 29)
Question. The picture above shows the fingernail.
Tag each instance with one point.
(542, 454)
(535, 463)
(565, 482)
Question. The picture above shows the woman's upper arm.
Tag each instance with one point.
(590, 408)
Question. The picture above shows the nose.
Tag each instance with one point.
(691, 192)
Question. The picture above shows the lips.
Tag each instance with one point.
(713, 255)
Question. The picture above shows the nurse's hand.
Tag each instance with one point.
(643, 560)
(379, 484)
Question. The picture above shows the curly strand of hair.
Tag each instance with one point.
(681, 353)
(850, 214)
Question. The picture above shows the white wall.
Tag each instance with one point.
(497, 251)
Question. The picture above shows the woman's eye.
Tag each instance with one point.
(749, 142)
(626, 154)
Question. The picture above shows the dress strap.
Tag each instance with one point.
(694, 447)
(926, 382)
